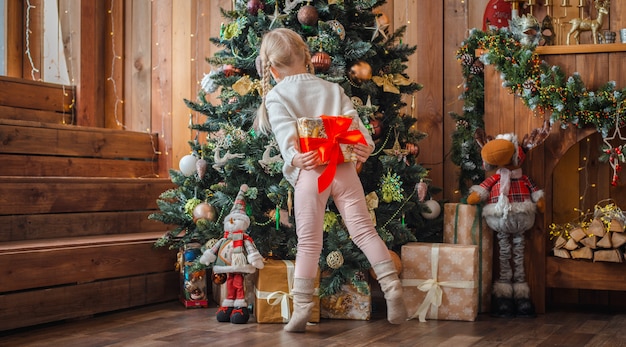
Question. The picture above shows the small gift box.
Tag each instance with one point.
(463, 224)
(348, 303)
(333, 137)
(312, 132)
(273, 301)
(440, 281)
(193, 291)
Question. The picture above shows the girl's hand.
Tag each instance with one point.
(306, 161)
(362, 152)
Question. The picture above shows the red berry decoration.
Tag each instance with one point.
(254, 6)
(321, 61)
(307, 15)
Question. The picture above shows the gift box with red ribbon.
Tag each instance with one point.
(333, 138)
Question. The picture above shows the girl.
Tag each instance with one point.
(299, 93)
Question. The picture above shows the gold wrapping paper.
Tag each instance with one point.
(309, 128)
(440, 281)
(349, 303)
(273, 301)
(463, 224)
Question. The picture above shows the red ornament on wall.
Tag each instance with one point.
(254, 6)
(497, 13)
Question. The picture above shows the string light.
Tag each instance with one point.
(70, 71)
(33, 69)
(115, 57)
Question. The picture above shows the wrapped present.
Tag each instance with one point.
(193, 291)
(273, 301)
(463, 224)
(348, 303)
(333, 138)
(440, 281)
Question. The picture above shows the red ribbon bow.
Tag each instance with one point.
(337, 132)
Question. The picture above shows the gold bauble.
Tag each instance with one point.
(360, 72)
(204, 210)
(334, 259)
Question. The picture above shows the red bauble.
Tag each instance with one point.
(321, 61)
(219, 278)
(254, 6)
(230, 70)
(307, 15)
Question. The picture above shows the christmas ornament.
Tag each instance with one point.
(381, 23)
(187, 164)
(497, 14)
(391, 187)
(422, 190)
(204, 210)
(334, 259)
(371, 200)
(308, 15)
(390, 82)
(254, 6)
(201, 168)
(413, 149)
(277, 17)
(337, 28)
(190, 205)
(435, 209)
(208, 84)
(219, 278)
(210, 243)
(376, 128)
(360, 72)
(397, 263)
(321, 61)
(229, 70)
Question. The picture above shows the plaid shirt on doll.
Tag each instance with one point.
(520, 191)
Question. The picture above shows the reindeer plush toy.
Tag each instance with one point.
(511, 201)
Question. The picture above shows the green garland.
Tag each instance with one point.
(543, 88)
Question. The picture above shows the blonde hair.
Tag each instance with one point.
(280, 48)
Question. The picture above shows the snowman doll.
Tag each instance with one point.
(234, 255)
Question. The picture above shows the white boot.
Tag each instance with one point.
(302, 292)
(392, 288)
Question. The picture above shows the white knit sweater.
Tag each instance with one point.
(304, 95)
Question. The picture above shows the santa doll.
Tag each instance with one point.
(234, 255)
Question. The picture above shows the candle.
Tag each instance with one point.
(532, 2)
(565, 3)
(581, 3)
(548, 3)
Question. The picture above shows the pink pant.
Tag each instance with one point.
(309, 208)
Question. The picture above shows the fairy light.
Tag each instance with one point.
(33, 69)
(115, 57)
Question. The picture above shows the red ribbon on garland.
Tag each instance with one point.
(328, 148)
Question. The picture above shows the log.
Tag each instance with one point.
(609, 255)
(616, 225)
(560, 242)
(578, 234)
(618, 239)
(590, 241)
(561, 253)
(571, 245)
(605, 242)
(596, 228)
(582, 253)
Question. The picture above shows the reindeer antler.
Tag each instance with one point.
(481, 137)
(536, 137)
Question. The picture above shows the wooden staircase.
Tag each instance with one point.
(75, 239)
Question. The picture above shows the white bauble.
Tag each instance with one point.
(187, 164)
(435, 209)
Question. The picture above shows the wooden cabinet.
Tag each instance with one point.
(587, 180)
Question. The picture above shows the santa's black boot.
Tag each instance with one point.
(523, 305)
(240, 315)
(502, 304)
(223, 314)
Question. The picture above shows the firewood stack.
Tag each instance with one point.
(599, 241)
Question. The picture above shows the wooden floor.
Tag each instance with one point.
(170, 324)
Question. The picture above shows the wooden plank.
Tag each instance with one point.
(14, 38)
(114, 51)
(90, 93)
(39, 166)
(138, 65)
(15, 113)
(89, 259)
(34, 195)
(58, 139)
(19, 93)
(64, 225)
(22, 309)
(161, 91)
(567, 273)
(588, 48)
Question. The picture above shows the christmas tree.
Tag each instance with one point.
(352, 45)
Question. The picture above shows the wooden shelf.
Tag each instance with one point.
(581, 49)
(582, 274)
